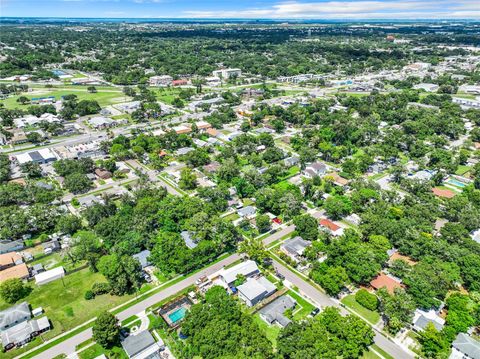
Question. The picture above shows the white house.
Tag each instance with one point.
(255, 290)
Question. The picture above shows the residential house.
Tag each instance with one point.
(331, 227)
(273, 313)
(189, 241)
(294, 248)
(19, 271)
(11, 259)
(315, 169)
(255, 290)
(211, 167)
(51, 246)
(180, 82)
(184, 150)
(100, 122)
(465, 347)
(421, 319)
(426, 87)
(247, 212)
(387, 281)
(7, 246)
(291, 161)
(142, 346)
(163, 80)
(89, 201)
(142, 258)
(14, 315)
(229, 276)
(103, 174)
(23, 332)
(476, 236)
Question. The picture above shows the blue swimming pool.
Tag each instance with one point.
(59, 72)
(177, 315)
(455, 182)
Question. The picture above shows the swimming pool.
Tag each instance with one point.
(177, 315)
(59, 72)
(455, 182)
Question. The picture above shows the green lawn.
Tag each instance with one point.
(103, 97)
(166, 95)
(271, 331)
(64, 302)
(232, 217)
(96, 350)
(462, 169)
(370, 355)
(303, 307)
(371, 316)
(381, 351)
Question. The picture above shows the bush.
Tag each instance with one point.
(100, 288)
(89, 295)
(366, 299)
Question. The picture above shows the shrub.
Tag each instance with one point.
(89, 295)
(100, 288)
(366, 299)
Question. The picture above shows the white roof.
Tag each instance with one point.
(245, 268)
(49, 275)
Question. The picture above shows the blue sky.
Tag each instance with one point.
(265, 9)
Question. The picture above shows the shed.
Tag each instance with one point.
(49, 276)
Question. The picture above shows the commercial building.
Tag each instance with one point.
(41, 156)
(163, 80)
(227, 73)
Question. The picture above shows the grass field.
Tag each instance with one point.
(166, 95)
(271, 331)
(371, 316)
(64, 302)
(462, 169)
(96, 350)
(104, 96)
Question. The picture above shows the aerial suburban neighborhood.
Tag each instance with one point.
(239, 189)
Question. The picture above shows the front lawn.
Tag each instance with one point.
(96, 350)
(371, 316)
(303, 307)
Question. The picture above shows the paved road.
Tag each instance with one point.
(68, 346)
(279, 234)
(323, 300)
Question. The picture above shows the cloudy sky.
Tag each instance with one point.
(263, 9)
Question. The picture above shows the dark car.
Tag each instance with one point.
(314, 312)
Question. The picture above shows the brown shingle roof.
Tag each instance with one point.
(384, 280)
(20, 271)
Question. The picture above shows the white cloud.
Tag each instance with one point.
(371, 9)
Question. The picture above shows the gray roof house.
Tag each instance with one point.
(291, 161)
(247, 211)
(465, 347)
(7, 246)
(255, 290)
(315, 169)
(187, 238)
(22, 333)
(142, 346)
(294, 247)
(14, 315)
(422, 318)
(142, 257)
(247, 268)
(273, 312)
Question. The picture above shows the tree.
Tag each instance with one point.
(188, 180)
(77, 183)
(68, 224)
(122, 272)
(12, 290)
(432, 341)
(397, 308)
(106, 330)
(92, 89)
(306, 227)
(34, 137)
(263, 223)
(366, 299)
(23, 100)
(86, 246)
(4, 167)
(332, 279)
(31, 169)
(338, 206)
